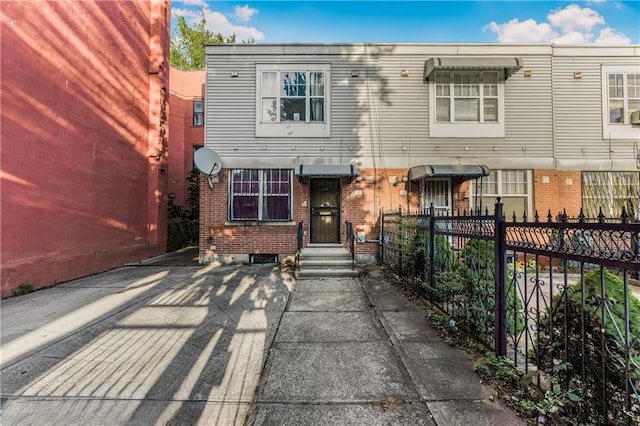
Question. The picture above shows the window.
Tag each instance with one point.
(513, 186)
(610, 191)
(263, 195)
(194, 148)
(466, 97)
(621, 96)
(198, 113)
(292, 101)
(467, 101)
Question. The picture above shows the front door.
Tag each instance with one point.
(325, 210)
(438, 192)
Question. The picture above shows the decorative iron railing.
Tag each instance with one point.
(555, 297)
(300, 238)
(351, 244)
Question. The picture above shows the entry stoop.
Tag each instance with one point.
(325, 261)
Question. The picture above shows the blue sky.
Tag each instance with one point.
(562, 22)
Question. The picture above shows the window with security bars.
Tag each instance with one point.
(263, 195)
(436, 192)
(610, 191)
(512, 186)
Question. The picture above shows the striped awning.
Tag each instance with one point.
(327, 170)
(467, 172)
(510, 65)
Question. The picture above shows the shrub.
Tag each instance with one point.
(586, 336)
(24, 288)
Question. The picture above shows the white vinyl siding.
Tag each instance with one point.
(551, 120)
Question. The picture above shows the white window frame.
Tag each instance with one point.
(262, 194)
(618, 130)
(500, 181)
(466, 129)
(293, 129)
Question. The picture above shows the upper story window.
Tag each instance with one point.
(260, 195)
(198, 112)
(621, 96)
(466, 95)
(292, 100)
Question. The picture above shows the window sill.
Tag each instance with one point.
(466, 130)
(293, 130)
(620, 131)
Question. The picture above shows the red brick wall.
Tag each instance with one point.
(554, 191)
(362, 201)
(183, 136)
(84, 122)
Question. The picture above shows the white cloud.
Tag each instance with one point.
(218, 23)
(199, 3)
(528, 31)
(573, 17)
(571, 25)
(611, 36)
(573, 37)
(187, 13)
(244, 13)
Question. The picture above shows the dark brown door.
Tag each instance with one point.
(325, 210)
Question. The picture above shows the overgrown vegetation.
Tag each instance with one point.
(24, 288)
(589, 339)
(183, 226)
(187, 43)
(581, 367)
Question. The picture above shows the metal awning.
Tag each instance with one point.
(326, 170)
(466, 172)
(510, 65)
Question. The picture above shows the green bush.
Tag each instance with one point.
(586, 335)
(182, 234)
(478, 269)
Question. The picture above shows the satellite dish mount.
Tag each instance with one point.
(208, 162)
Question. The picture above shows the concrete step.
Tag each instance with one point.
(321, 262)
(326, 261)
(326, 272)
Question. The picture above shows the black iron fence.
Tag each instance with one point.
(556, 297)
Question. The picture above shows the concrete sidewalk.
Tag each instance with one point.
(353, 352)
(169, 342)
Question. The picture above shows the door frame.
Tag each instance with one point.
(339, 208)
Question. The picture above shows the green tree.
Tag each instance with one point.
(187, 43)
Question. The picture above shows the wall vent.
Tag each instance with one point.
(263, 258)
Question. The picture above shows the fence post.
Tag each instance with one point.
(500, 284)
(382, 245)
(432, 251)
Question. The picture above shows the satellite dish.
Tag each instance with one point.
(208, 162)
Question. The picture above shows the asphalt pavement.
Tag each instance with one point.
(166, 341)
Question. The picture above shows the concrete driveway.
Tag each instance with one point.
(160, 342)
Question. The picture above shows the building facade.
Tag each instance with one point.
(186, 129)
(327, 134)
(84, 118)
